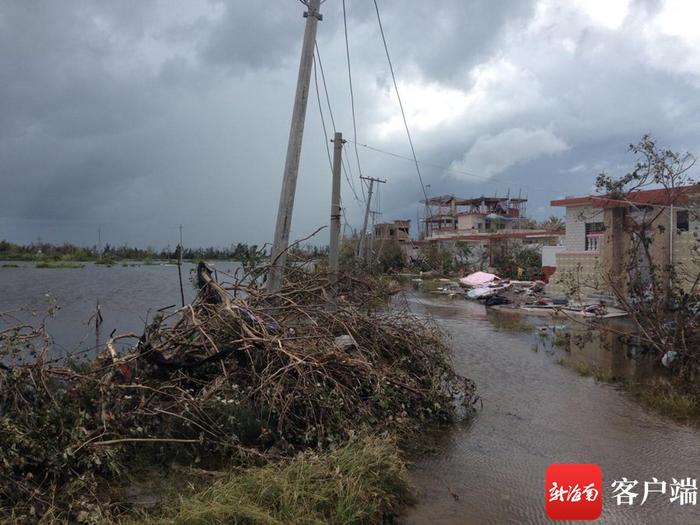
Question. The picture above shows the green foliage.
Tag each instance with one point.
(364, 481)
(553, 223)
(670, 399)
(346, 255)
(516, 261)
(59, 264)
(47, 253)
(434, 256)
(390, 257)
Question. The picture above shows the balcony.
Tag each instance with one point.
(593, 242)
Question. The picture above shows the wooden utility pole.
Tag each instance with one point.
(361, 252)
(335, 211)
(99, 243)
(291, 165)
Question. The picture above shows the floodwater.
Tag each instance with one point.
(537, 412)
(128, 296)
(491, 470)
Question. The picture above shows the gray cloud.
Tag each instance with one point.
(137, 116)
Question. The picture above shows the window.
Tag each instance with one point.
(594, 227)
(682, 221)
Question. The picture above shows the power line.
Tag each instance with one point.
(487, 178)
(323, 120)
(352, 96)
(422, 163)
(398, 96)
(330, 112)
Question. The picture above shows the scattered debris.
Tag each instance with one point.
(238, 375)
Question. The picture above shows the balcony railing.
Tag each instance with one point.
(593, 242)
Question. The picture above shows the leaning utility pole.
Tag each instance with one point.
(335, 211)
(179, 268)
(361, 249)
(291, 165)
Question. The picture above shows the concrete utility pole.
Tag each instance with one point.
(99, 243)
(427, 208)
(361, 249)
(179, 268)
(370, 249)
(291, 165)
(335, 210)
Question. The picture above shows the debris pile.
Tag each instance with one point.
(237, 375)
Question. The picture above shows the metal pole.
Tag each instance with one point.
(291, 165)
(335, 211)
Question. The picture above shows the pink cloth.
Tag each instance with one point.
(478, 279)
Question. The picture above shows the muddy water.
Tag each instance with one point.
(537, 412)
(128, 297)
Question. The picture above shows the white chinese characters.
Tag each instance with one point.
(572, 493)
(683, 491)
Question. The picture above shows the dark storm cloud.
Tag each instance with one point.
(136, 116)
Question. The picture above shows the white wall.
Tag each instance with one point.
(576, 219)
(549, 255)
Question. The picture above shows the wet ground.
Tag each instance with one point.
(537, 411)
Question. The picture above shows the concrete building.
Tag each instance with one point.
(486, 223)
(398, 230)
(448, 215)
(597, 245)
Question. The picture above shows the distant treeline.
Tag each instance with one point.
(43, 251)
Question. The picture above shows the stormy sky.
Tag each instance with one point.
(134, 116)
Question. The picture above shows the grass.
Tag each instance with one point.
(10, 265)
(510, 323)
(583, 369)
(59, 264)
(665, 397)
(364, 481)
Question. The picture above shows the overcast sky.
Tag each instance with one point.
(136, 116)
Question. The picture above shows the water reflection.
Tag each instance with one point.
(128, 296)
(538, 412)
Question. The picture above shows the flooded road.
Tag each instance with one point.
(537, 412)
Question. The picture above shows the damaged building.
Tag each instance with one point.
(598, 249)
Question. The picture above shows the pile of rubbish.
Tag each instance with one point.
(491, 289)
(238, 375)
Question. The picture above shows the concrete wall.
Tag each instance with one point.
(576, 270)
(686, 258)
(549, 255)
(470, 222)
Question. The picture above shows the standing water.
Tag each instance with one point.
(537, 412)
